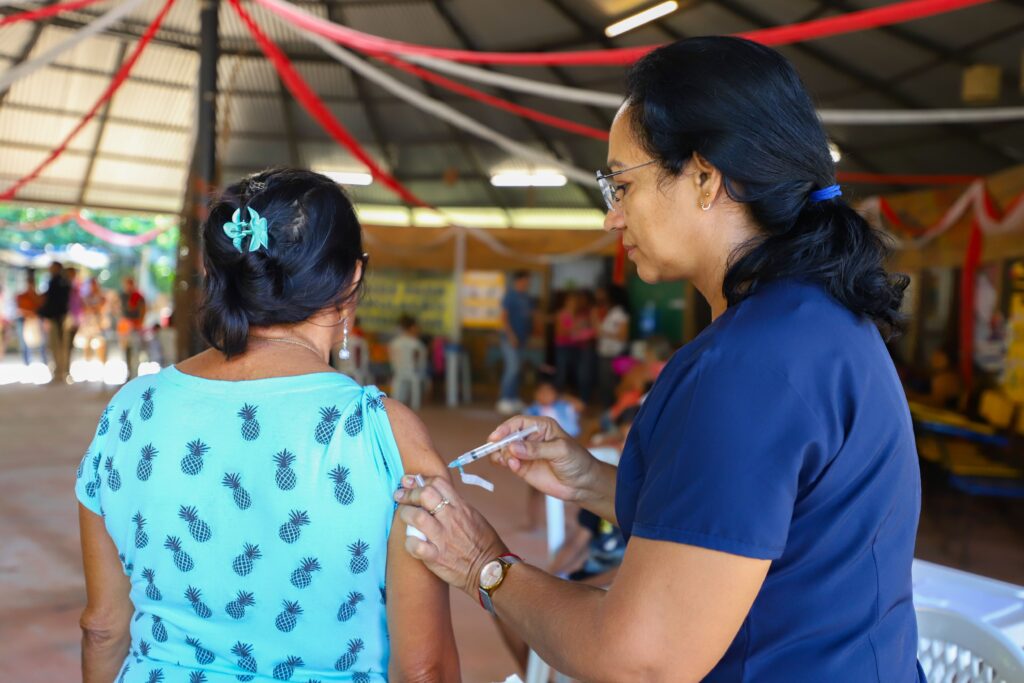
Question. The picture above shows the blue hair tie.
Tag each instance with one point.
(830, 192)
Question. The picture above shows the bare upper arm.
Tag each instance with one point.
(684, 606)
(419, 616)
(109, 607)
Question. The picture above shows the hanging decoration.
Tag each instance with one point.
(446, 112)
(29, 67)
(115, 84)
(119, 239)
(851, 22)
(44, 12)
(497, 102)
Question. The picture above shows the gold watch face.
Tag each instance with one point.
(490, 575)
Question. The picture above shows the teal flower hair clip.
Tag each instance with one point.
(255, 229)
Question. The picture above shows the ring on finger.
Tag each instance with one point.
(440, 506)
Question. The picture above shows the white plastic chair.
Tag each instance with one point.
(358, 365)
(954, 648)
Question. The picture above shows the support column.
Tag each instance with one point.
(202, 181)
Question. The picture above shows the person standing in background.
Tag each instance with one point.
(76, 312)
(30, 327)
(95, 321)
(54, 312)
(517, 325)
(129, 327)
(612, 323)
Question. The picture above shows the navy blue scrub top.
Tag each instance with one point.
(782, 433)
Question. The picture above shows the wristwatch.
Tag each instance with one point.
(492, 576)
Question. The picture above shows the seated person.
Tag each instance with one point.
(563, 409)
(408, 357)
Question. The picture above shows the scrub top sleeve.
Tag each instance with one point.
(723, 461)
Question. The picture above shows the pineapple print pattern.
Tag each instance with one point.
(303, 571)
(325, 428)
(348, 608)
(242, 498)
(236, 608)
(146, 412)
(182, 560)
(104, 421)
(246, 662)
(126, 426)
(285, 475)
(195, 598)
(250, 425)
(302, 577)
(292, 529)
(348, 660)
(93, 486)
(152, 592)
(159, 631)
(199, 529)
(145, 468)
(359, 564)
(243, 563)
(354, 422)
(286, 669)
(113, 476)
(141, 537)
(343, 492)
(192, 463)
(288, 617)
(203, 656)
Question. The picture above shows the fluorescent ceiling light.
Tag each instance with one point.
(528, 179)
(641, 18)
(835, 152)
(349, 177)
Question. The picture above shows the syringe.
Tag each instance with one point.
(488, 448)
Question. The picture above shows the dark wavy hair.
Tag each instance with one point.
(315, 242)
(743, 107)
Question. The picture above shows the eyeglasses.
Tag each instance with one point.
(611, 193)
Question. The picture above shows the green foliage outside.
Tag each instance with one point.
(123, 260)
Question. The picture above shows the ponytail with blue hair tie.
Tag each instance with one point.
(830, 192)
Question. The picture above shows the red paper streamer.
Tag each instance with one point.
(44, 12)
(112, 87)
(497, 102)
(851, 22)
(318, 110)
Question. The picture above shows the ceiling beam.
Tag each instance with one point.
(26, 50)
(373, 118)
(591, 193)
(865, 78)
(101, 127)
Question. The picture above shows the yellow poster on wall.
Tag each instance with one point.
(1013, 373)
(428, 297)
(482, 292)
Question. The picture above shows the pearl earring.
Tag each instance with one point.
(344, 353)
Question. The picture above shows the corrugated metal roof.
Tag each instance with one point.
(146, 145)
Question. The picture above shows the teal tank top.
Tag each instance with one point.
(252, 519)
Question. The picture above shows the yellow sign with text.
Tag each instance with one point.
(482, 293)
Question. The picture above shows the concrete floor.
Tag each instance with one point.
(44, 429)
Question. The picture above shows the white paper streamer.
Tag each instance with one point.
(903, 117)
(29, 67)
(518, 84)
(500, 248)
(445, 112)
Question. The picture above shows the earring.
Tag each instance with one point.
(344, 353)
(703, 206)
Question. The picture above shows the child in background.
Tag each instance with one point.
(565, 410)
(408, 356)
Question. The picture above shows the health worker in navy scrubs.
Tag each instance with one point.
(769, 487)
